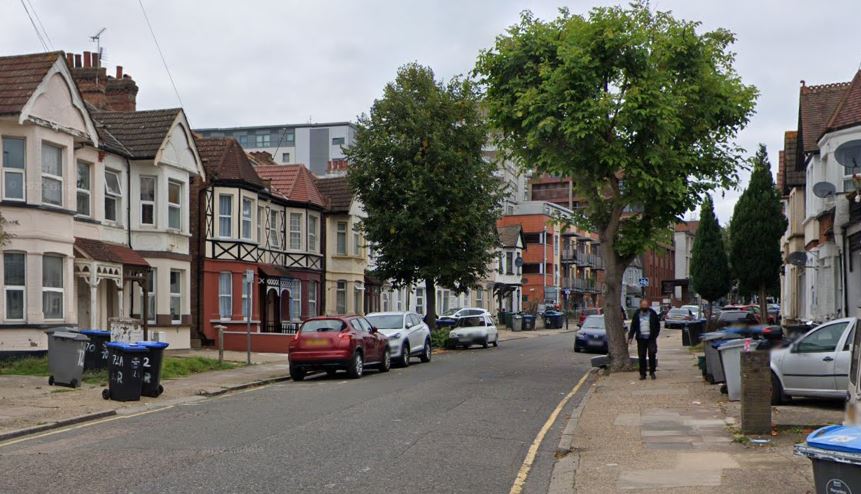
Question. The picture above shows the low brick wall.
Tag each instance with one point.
(260, 342)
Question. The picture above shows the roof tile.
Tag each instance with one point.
(224, 159)
(294, 182)
(816, 106)
(108, 252)
(141, 133)
(20, 75)
(337, 190)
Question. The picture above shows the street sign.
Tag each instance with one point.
(567, 292)
(644, 282)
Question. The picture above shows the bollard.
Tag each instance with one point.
(755, 392)
(220, 330)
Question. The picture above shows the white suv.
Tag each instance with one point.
(408, 335)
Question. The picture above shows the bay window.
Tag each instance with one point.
(296, 303)
(275, 229)
(225, 296)
(52, 175)
(174, 205)
(15, 284)
(84, 195)
(246, 307)
(52, 286)
(357, 249)
(175, 296)
(341, 238)
(313, 227)
(295, 231)
(357, 298)
(247, 208)
(113, 192)
(147, 200)
(261, 215)
(341, 297)
(225, 215)
(14, 166)
(312, 299)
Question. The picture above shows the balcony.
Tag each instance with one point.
(581, 285)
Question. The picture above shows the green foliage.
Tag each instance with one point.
(439, 337)
(174, 367)
(639, 107)
(757, 225)
(26, 366)
(432, 201)
(710, 274)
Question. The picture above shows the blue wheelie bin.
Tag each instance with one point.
(97, 353)
(836, 455)
(152, 368)
(125, 371)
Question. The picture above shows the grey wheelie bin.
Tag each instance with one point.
(836, 455)
(711, 341)
(517, 322)
(66, 357)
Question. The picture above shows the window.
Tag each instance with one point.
(313, 226)
(14, 164)
(479, 297)
(225, 215)
(509, 263)
(113, 192)
(290, 136)
(247, 208)
(824, 339)
(150, 297)
(500, 269)
(357, 298)
(312, 299)
(84, 188)
(285, 157)
(174, 205)
(262, 141)
(175, 296)
(296, 303)
(357, 244)
(275, 229)
(420, 300)
(341, 239)
(52, 286)
(337, 141)
(52, 175)
(341, 297)
(147, 197)
(14, 281)
(295, 231)
(261, 214)
(225, 296)
(245, 299)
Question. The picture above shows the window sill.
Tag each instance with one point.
(232, 321)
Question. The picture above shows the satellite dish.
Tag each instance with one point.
(848, 154)
(797, 258)
(824, 189)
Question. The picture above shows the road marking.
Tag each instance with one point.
(81, 426)
(520, 480)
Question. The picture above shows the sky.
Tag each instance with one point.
(289, 61)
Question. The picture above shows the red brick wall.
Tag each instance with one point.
(237, 340)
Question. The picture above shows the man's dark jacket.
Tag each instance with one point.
(654, 325)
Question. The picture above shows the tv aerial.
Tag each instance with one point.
(97, 39)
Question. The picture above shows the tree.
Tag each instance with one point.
(431, 199)
(757, 225)
(710, 275)
(638, 108)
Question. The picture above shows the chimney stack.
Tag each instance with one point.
(87, 60)
(98, 89)
(95, 60)
(70, 59)
(77, 61)
(119, 71)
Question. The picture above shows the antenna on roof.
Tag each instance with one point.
(97, 39)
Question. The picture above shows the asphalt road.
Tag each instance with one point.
(462, 423)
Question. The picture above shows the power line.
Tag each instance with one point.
(41, 40)
(160, 54)
(44, 31)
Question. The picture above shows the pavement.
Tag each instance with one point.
(677, 434)
(465, 422)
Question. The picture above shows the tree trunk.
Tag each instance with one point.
(617, 339)
(430, 296)
(763, 305)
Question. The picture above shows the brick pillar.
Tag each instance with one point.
(755, 393)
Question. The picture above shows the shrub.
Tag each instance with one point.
(439, 337)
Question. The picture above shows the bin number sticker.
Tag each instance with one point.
(81, 354)
(146, 362)
(837, 486)
(118, 377)
(841, 438)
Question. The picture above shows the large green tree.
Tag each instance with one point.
(757, 225)
(639, 108)
(431, 199)
(710, 274)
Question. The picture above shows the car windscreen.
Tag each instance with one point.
(450, 312)
(387, 321)
(322, 325)
(679, 313)
(733, 315)
(466, 322)
(594, 323)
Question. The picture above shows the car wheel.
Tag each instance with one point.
(485, 344)
(386, 364)
(577, 349)
(356, 366)
(496, 342)
(426, 352)
(405, 356)
(778, 397)
(297, 374)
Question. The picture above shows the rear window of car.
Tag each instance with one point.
(465, 322)
(388, 321)
(680, 312)
(322, 325)
(594, 322)
(734, 315)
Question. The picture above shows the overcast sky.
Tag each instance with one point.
(291, 61)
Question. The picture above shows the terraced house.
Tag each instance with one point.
(95, 194)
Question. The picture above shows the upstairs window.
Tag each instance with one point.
(247, 208)
(14, 165)
(261, 215)
(52, 175)
(174, 205)
(357, 244)
(147, 200)
(84, 195)
(263, 141)
(313, 226)
(113, 192)
(295, 231)
(337, 141)
(275, 229)
(285, 157)
(225, 216)
(341, 239)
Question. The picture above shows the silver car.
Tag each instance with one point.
(408, 335)
(816, 365)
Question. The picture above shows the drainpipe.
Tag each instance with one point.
(843, 262)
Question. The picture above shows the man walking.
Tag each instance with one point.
(645, 326)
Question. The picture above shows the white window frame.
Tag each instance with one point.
(14, 170)
(420, 300)
(274, 230)
(175, 296)
(479, 297)
(88, 192)
(225, 296)
(296, 303)
(151, 203)
(313, 229)
(261, 214)
(339, 235)
(222, 216)
(15, 288)
(114, 196)
(340, 293)
(174, 206)
(247, 221)
(61, 290)
(358, 299)
(357, 243)
(312, 299)
(51, 176)
(295, 234)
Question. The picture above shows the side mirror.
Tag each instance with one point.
(374, 330)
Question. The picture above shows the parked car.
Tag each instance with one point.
(736, 317)
(592, 336)
(408, 335)
(815, 365)
(678, 317)
(754, 309)
(696, 310)
(330, 344)
(473, 330)
(449, 317)
(588, 311)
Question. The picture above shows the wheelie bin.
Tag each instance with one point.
(125, 371)
(836, 455)
(711, 341)
(528, 322)
(517, 322)
(66, 351)
(553, 319)
(152, 368)
(96, 357)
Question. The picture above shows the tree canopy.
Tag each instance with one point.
(710, 274)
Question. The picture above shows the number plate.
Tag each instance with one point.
(316, 342)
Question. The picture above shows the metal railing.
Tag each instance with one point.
(283, 327)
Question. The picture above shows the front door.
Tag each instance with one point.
(272, 322)
(84, 317)
(809, 368)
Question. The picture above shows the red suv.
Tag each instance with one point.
(332, 343)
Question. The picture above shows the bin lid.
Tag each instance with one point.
(95, 332)
(68, 335)
(714, 335)
(157, 345)
(844, 438)
(126, 347)
(732, 344)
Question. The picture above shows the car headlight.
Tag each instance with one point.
(395, 336)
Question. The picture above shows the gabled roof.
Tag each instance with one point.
(141, 133)
(508, 235)
(848, 112)
(108, 252)
(337, 190)
(224, 159)
(294, 182)
(20, 75)
(816, 107)
(795, 174)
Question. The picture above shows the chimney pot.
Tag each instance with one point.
(87, 60)
(70, 59)
(77, 61)
(95, 59)
(119, 71)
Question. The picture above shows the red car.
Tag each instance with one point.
(589, 311)
(772, 317)
(330, 344)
